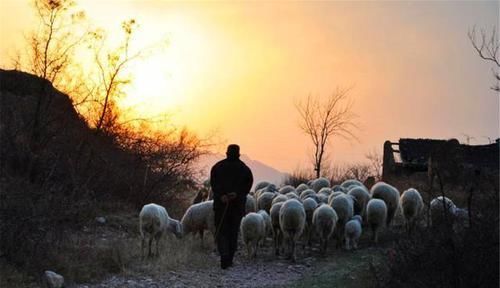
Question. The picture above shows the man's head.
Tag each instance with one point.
(233, 151)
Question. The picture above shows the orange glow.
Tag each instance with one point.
(238, 67)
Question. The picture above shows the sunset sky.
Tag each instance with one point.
(238, 68)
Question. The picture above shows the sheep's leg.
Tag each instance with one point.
(276, 252)
(150, 242)
(339, 240)
(281, 243)
(355, 244)
(157, 238)
(347, 244)
(143, 246)
(374, 233)
(289, 248)
(249, 250)
(294, 259)
(201, 237)
(308, 239)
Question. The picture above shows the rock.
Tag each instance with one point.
(53, 280)
(100, 220)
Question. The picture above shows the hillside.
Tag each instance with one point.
(58, 174)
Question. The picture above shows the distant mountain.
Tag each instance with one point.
(260, 170)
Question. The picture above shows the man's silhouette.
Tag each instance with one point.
(231, 181)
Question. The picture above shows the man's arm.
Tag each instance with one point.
(214, 183)
(246, 184)
(249, 181)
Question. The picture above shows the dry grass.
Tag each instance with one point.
(175, 254)
(115, 248)
(10, 276)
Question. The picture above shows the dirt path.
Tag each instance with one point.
(311, 270)
(187, 263)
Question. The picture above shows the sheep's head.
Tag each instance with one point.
(175, 227)
(358, 218)
(178, 231)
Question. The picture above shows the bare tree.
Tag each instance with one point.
(51, 47)
(323, 120)
(488, 48)
(50, 52)
(112, 77)
(468, 138)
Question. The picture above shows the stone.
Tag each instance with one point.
(100, 220)
(53, 280)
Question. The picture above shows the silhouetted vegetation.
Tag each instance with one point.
(453, 255)
(323, 121)
(61, 167)
(58, 176)
(487, 46)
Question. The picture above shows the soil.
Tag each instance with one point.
(339, 268)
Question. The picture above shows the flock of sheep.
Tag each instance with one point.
(313, 211)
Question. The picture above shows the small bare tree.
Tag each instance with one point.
(50, 50)
(111, 66)
(376, 162)
(51, 46)
(488, 48)
(323, 120)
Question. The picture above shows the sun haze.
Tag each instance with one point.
(240, 67)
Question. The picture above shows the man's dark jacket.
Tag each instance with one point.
(231, 175)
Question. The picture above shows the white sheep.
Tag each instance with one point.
(411, 204)
(271, 188)
(362, 196)
(461, 219)
(338, 188)
(275, 221)
(301, 188)
(268, 222)
(198, 218)
(442, 211)
(265, 200)
(326, 191)
(353, 230)
(154, 221)
(309, 206)
(306, 192)
(253, 229)
(261, 185)
(292, 223)
(349, 183)
(324, 222)
(292, 195)
(315, 197)
(319, 183)
(280, 198)
(376, 214)
(333, 195)
(390, 195)
(344, 207)
(250, 205)
(286, 189)
(322, 198)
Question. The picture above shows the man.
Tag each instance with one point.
(231, 181)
